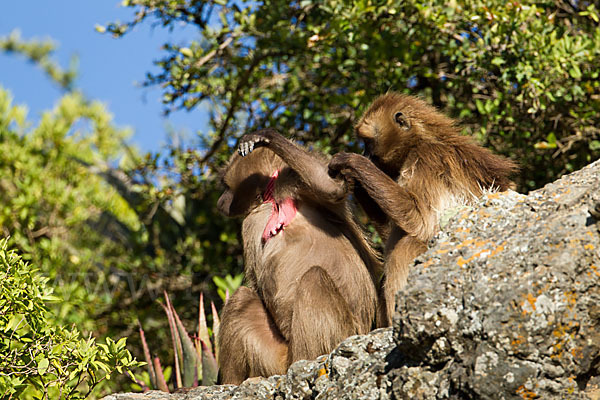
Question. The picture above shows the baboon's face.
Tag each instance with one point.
(387, 128)
(395, 124)
(244, 179)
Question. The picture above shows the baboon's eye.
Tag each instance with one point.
(402, 121)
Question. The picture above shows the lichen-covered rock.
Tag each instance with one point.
(504, 305)
(355, 370)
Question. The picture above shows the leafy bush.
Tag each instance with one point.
(109, 237)
(59, 214)
(40, 358)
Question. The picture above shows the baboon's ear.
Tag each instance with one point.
(402, 121)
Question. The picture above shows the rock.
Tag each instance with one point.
(504, 305)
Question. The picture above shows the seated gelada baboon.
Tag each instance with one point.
(417, 165)
(309, 269)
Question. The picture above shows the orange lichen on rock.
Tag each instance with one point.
(519, 340)
(571, 299)
(531, 299)
(577, 353)
(482, 253)
(483, 213)
(495, 195)
(465, 243)
(525, 393)
(498, 249)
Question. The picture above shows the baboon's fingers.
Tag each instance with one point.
(249, 142)
(243, 149)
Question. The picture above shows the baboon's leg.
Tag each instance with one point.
(397, 264)
(250, 343)
(321, 317)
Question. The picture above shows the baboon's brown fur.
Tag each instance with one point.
(309, 286)
(419, 166)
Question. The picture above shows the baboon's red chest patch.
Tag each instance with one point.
(282, 212)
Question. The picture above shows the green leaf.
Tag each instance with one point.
(202, 325)
(215, 329)
(186, 52)
(42, 366)
(176, 340)
(574, 71)
(190, 359)
(209, 367)
(121, 343)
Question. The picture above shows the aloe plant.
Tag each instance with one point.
(195, 358)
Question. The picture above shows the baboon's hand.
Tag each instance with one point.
(250, 141)
(341, 164)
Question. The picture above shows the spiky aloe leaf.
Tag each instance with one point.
(209, 366)
(202, 326)
(199, 354)
(215, 329)
(160, 377)
(177, 347)
(148, 358)
(190, 358)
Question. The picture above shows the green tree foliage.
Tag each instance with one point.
(109, 237)
(39, 53)
(39, 357)
(55, 210)
(521, 75)
(108, 247)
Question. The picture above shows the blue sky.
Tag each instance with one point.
(110, 70)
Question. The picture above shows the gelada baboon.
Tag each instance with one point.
(418, 166)
(310, 272)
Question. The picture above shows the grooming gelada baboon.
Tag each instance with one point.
(418, 166)
(310, 272)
